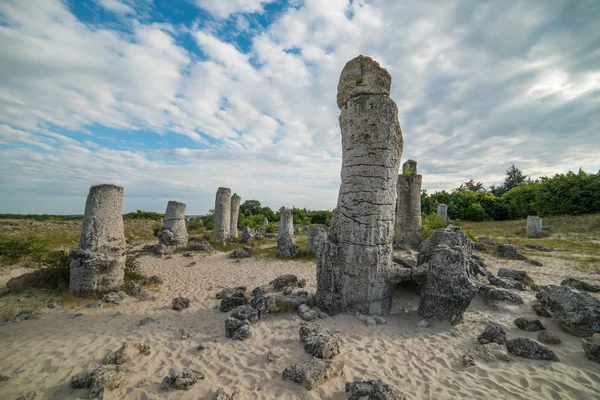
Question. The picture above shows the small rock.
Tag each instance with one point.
(275, 354)
(227, 393)
(540, 310)
(487, 353)
(319, 342)
(288, 290)
(235, 291)
(234, 301)
(548, 337)
(530, 348)
(379, 320)
(118, 314)
(312, 373)
(137, 291)
(534, 262)
(23, 316)
(282, 281)
(180, 303)
(185, 333)
(100, 380)
(423, 324)
(373, 390)
(496, 295)
(77, 315)
(509, 251)
(302, 283)
(505, 283)
(515, 275)
(492, 333)
(365, 319)
(591, 346)
(245, 312)
(237, 330)
(193, 263)
(95, 304)
(529, 325)
(259, 290)
(306, 313)
(127, 353)
(147, 320)
(181, 380)
(143, 383)
(537, 247)
(581, 285)
(114, 297)
(202, 246)
(52, 305)
(205, 346)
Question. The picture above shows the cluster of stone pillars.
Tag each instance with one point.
(227, 209)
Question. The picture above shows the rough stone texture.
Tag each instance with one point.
(239, 253)
(496, 295)
(29, 396)
(234, 214)
(448, 288)
(103, 378)
(247, 234)
(373, 390)
(181, 380)
(492, 334)
(185, 334)
(319, 342)
(222, 219)
(534, 225)
(245, 312)
(576, 312)
(237, 329)
(98, 264)
(313, 373)
(548, 337)
(306, 313)
(407, 261)
(175, 235)
(537, 247)
(530, 348)
(515, 275)
(138, 291)
(24, 315)
(275, 354)
(316, 236)
(408, 207)
(509, 251)
(487, 353)
(127, 353)
(179, 303)
(147, 321)
(286, 246)
(282, 281)
(540, 310)
(114, 297)
(442, 211)
(581, 285)
(591, 346)
(231, 302)
(506, 283)
(228, 292)
(201, 245)
(354, 263)
(529, 325)
(227, 393)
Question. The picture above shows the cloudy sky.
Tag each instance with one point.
(173, 98)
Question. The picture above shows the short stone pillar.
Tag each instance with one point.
(247, 234)
(222, 214)
(235, 212)
(442, 211)
(98, 264)
(286, 246)
(355, 263)
(534, 225)
(265, 223)
(174, 235)
(316, 236)
(408, 207)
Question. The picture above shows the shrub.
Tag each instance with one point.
(14, 248)
(54, 277)
(195, 226)
(431, 222)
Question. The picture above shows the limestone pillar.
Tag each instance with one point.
(174, 235)
(442, 211)
(316, 236)
(98, 264)
(534, 225)
(408, 206)
(235, 212)
(354, 264)
(222, 214)
(286, 246)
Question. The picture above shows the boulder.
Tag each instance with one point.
(306, 313)
(373, 390)
(127, 353)
(231, 302)
(576, 312)
(114, 297)
(245, 312)
(548, 337)
(515, 275)
(529, 325)
(237, 330)
(23, 316)
(495, 295)
(319, 342)
(312, 373)
(103, 378)
(530, 348)
(509, 251)
(239, 253)
(201, 245)
(282, 281)
(581, 285)
(591, 346)
(492, 333)
(247, 234)
(181, 380)
(292, 302)
(487, 353)
(179, 303)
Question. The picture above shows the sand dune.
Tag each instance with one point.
(425, 363)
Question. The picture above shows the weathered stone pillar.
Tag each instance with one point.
(235, 212)
(316, 236)
(222, 214)
(286, 246)
(247, 234)
(98, 264)
(442, 211)
(174, 235)
(534, 225)
(408, 206)
(354, 264)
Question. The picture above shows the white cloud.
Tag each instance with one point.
(116, 6)
(224, 8)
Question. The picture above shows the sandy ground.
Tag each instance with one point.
(425, 363)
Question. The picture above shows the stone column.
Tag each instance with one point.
(98, 264)
(235, 212)
(534, 225)
(222, 214)
(408, 206)
(316, 236)
(174, 235)
(286, 246)
(354, 264)
(442, 211)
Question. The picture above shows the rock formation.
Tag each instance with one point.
(286, 246)
(98, 264)
(222, 214)
(247, 234)
(316, 236)
(174, 235)
(442, 211)
(408, 206)
(534, 225)
(235, 212)
(354, 263)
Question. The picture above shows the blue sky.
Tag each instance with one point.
(172, 99)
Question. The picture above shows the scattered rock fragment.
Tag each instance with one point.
(275, 354)
(319, 342)
(239, 253)
(487, 353)
(227, 393)
(181, 380)
(137, 291)
(576, 312)
(505, 283)
(29, 396)
(52, 305)
(496, 295)
(205, 346)
(515, 275)
(373, 390)
(180, 303)
(591, 346)
(537, 247)
(581, 285)
(529, 325)
(23, 316)
(202, 246)
(540, 310)
(548, 337)
(245, 312)
(126, 353)
(423, 324)
(282, 281)
(95, 304)
(302, 283)
(509, 251)
(530, 348)
(232, 302)
(148, 320)
(237, 330)
(534, 262)
(365, 319)
(114, 297)
(492, 333)
(185, 334)
(103, 378)
(235, 291)
(77, 315)
(313, 373)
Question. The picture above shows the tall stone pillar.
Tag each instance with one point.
(98, 264)
(408, 206)
(235, 212)
(354, 264)
(534, 225)
(174, 235)
(286, 246)
(222, 214)
(442, 211)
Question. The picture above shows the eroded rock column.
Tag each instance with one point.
(235, 212)
(534, 225)
(286, 246)
(174, 235)
(316, 236)
(442, 211)
(354, 264)
(98, 264)
(408, 206)
(222, 214)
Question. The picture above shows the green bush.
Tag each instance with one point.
(14, 248)
(195, 226)
(430, 223)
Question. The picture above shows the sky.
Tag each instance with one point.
(172, 99)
